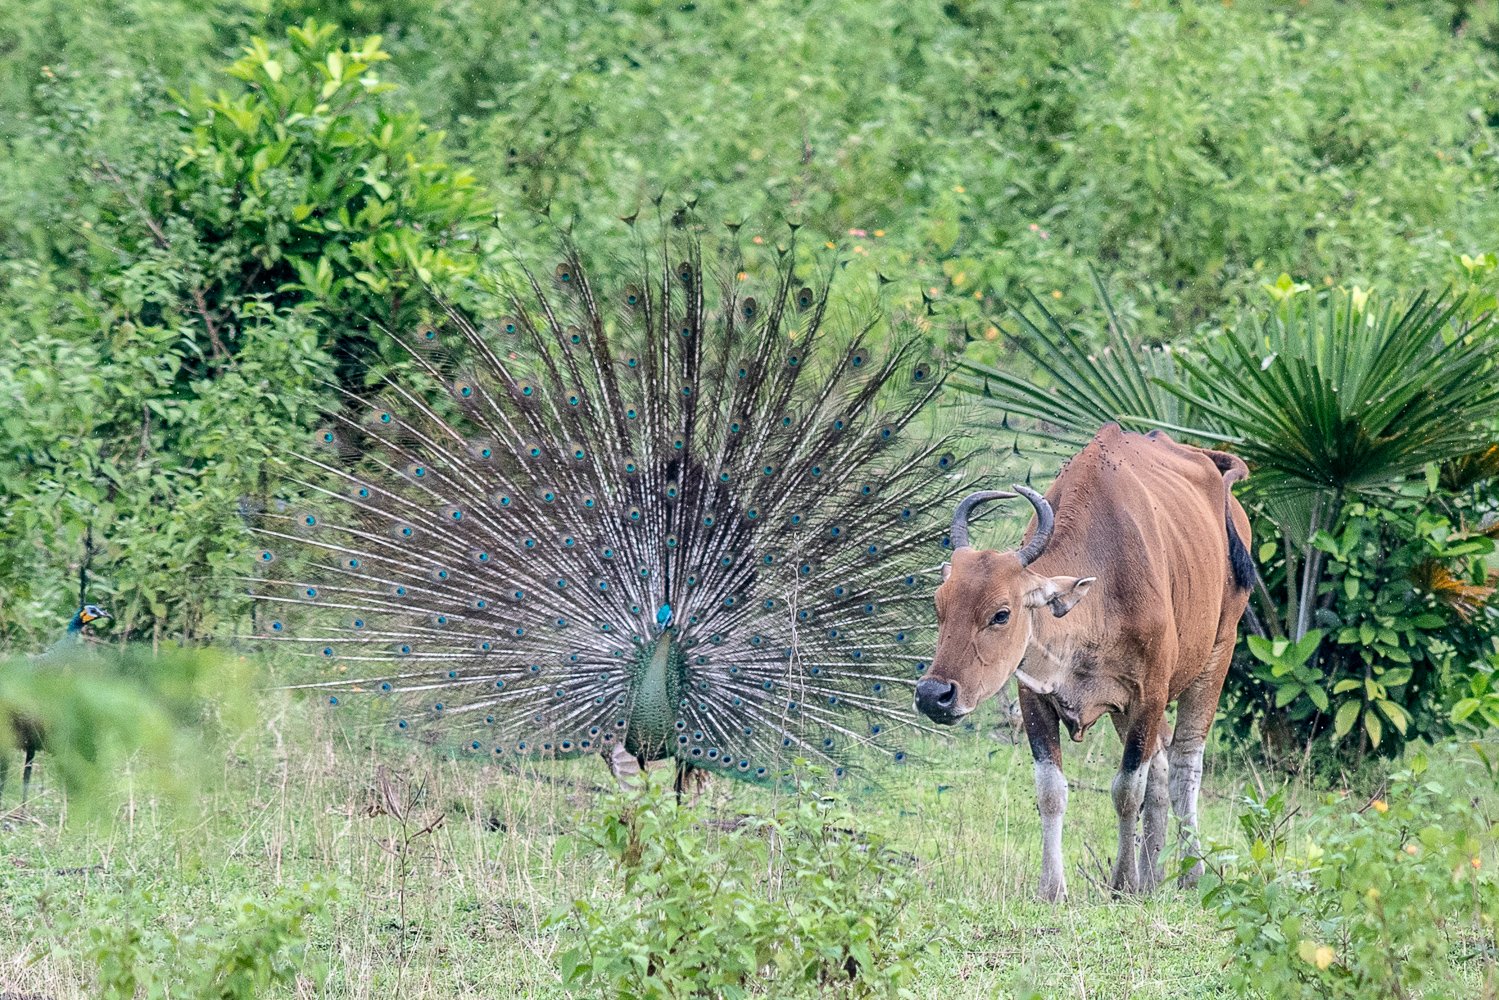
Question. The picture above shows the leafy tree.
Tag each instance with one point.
(236, 259)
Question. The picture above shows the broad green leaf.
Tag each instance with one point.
(1346, 717)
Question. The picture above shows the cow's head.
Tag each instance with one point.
(985, 609)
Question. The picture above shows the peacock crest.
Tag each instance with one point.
(693, 515)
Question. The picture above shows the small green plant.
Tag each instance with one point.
(795, 901)
(236, 955)
(1478, 704)
(1388, 900)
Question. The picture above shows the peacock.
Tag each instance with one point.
(27, 732)
(692, 516)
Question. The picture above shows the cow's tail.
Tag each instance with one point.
(1239, 560)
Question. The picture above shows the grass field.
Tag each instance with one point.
(292, 803)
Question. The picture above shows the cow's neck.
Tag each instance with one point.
(1064, 656)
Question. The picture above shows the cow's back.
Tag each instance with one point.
(1147, 516)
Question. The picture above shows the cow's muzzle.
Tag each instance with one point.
(938, 700)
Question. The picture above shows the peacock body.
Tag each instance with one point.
(690, 515)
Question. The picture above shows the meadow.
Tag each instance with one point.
(1266, 227)
(292, 803)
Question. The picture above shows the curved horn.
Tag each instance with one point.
(965, 507)
(1045, 521)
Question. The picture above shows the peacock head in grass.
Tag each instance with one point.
(694, 511)
(86, 619)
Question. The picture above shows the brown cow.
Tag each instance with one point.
(1149, 533)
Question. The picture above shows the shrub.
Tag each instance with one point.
(235, 955)
(1393, 899)
(793, 902)
(236, 252)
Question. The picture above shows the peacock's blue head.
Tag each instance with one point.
(87, 615)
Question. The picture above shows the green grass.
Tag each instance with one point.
(292, 802)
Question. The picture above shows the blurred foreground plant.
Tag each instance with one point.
(107, 711)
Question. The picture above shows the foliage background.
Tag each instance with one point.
(198, 228)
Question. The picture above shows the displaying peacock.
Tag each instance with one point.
(693, 515)
(26, 732)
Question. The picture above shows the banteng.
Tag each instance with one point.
(1137, 557)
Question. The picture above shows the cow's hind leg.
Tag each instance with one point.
(1041, 728)
(1194, 717)
(1140, 733)
(1157, 809)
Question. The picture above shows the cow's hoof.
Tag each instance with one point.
(1052, 891)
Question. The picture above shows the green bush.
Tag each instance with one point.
(793, 901)
(233, 259)
(239, 954)
(1393, 899)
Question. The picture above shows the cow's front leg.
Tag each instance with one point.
(1042, 730)
(1129, 788)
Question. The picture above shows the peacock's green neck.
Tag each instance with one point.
(656, 688)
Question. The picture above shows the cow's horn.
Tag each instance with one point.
(965, 507)
(1045, 521)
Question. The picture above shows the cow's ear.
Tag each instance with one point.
(946, 571)
(1061, 593)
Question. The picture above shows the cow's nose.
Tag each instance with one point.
(935, 698)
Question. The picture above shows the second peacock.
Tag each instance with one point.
(691, 514)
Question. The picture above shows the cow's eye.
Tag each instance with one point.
(1000, 617)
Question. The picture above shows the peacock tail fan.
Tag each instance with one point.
(696, 513)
